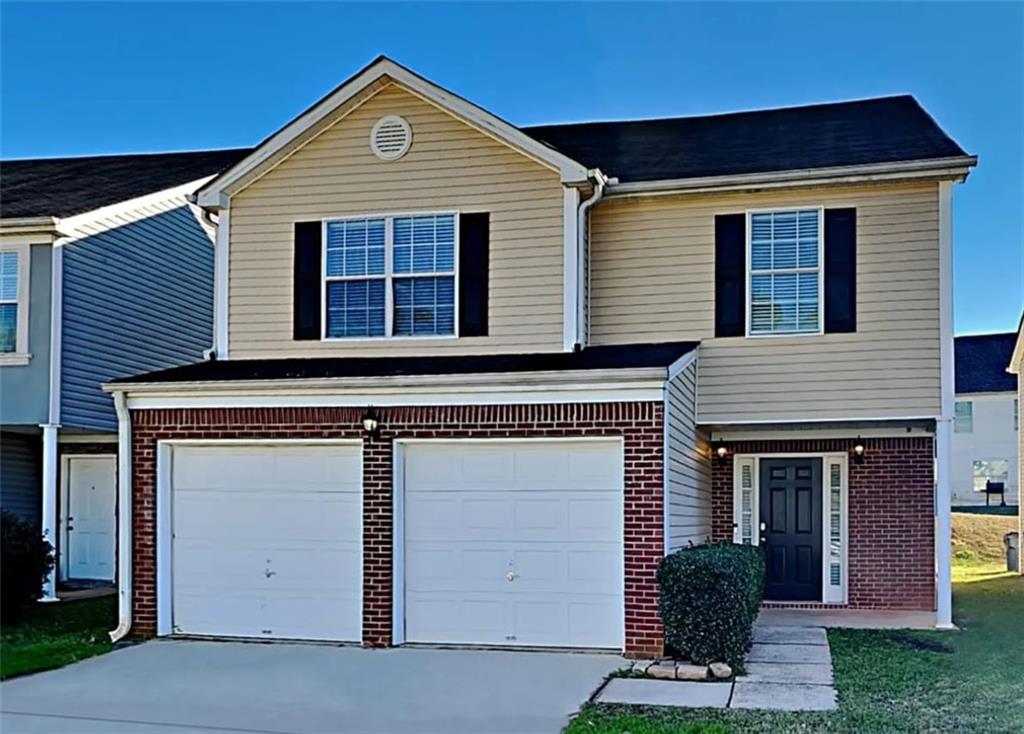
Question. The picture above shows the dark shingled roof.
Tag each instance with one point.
(981, 363)
(591, 358)
(878, 130)
(62, 187)
(818, 136)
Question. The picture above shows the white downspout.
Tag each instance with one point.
(944, 423)
(582, 239)
(124, 518)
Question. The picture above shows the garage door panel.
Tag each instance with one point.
(550, 512)
(273, 555)
(265, 517)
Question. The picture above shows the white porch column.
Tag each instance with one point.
(943, 526)
(49, 514)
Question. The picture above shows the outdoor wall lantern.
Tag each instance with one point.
(371, 423)
(721, 452)
(858, 451)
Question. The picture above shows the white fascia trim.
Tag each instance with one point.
(570, 268)
(86, 438)
(534, 388)
(1016, 365)
(123, 212)
(956, 168)
(824, 421)
(822, 433)
(682, 363)
(333, 385)
(570, 171)
(221, 280)
(36, 229)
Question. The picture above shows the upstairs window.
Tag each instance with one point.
(10, 306)
(785, 272)
(963, 416)
(390, 276)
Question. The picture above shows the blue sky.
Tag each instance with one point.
(85, 78)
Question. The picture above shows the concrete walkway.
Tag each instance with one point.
(788, 669)
(849, 618)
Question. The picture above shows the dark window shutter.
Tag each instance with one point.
(474, 246)
(306, 307)
(730, 274)
(840, 270)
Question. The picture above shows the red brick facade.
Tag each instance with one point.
(639, 424)
(891, 516)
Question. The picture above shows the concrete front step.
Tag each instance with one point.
(761, 652)
(790, 635)
(812, 673)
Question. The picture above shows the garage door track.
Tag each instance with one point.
(176, 686)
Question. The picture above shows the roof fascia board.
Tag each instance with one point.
(956, 168)
(569, 170)
(128, 210)
(510, 381)
(1016, 365)
(47, 227)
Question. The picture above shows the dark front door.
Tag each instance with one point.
(791, 528)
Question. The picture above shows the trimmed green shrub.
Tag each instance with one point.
(25, 560)
(710, 597)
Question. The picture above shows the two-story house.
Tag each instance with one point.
(105, 270)
(473, 381)
(985, 421)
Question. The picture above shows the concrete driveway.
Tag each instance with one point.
(171, 687)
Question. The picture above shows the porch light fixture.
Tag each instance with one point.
(858, 452)
(371, 423)
(721, 452)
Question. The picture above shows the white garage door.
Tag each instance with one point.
(514, 543)
(267, 541)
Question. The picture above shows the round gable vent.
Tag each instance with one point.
(390, 138)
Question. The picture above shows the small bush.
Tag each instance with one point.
(25, 560)
(710, 597)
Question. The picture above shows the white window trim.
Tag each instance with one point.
(830, 594)
(388, 277)
(749, 274)
(20, 355)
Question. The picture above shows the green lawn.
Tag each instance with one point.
(53, 635)
(885, 682)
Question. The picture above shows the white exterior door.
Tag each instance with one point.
(91, 517)
(267, 540)
(514, 543)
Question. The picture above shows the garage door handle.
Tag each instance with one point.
(511, 576)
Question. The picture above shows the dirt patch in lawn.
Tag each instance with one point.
(979, 538)
(916, 643)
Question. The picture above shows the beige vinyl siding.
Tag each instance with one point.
(688, 464)
(450, 166)
(652, 279)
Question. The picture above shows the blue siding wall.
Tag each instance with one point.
(20, 474)
(137, 297)
(25, 389)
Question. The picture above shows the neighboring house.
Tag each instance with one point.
(473, 381)
(986, 420)
(105, 270)
(1016, 367)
